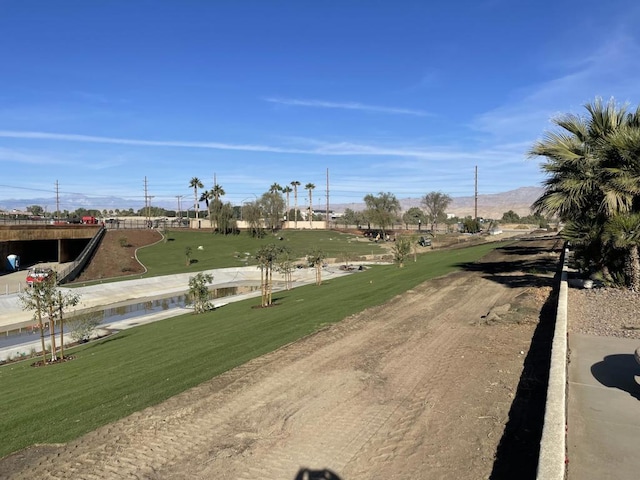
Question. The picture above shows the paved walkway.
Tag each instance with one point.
(13, 317)
(603, 436)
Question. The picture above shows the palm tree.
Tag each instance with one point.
(310, 187)
(295, 184)
(591, 253)
(588, 164)
(196, 183)
(275, 187)
(218, 191)
(287, 190)
(623, 232)
(593, 168)
(216, 205)
(205, 196)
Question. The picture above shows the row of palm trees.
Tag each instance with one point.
(287, 191)
(217, 191)
(593, 185)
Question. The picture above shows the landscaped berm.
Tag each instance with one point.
(116, 255)
(446, 380)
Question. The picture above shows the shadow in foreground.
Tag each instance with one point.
(519, 448)
(324, 474)
(618, 371)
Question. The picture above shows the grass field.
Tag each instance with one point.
(136, 368)
(219, 251)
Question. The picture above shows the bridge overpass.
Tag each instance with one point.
(44, 243)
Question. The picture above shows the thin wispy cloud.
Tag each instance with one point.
(606, 72)
(14, 156)
(318, 148)
(66, 137)
(346, 106)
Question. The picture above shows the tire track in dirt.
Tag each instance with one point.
(421, 391)
(376, 396)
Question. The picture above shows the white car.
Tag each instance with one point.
(37, 275)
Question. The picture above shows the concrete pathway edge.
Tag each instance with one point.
(552, 459)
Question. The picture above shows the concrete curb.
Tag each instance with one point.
(551, 462)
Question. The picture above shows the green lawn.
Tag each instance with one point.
(136, 368)
(220, 251)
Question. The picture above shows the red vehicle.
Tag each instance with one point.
(89, 220)
(37, 275)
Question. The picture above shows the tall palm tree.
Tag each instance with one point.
(295, 185)
(196, 183)
(218, 191)
(310, 187)
(206, 196)
(275, 187)
(287, 190)
(216, 205)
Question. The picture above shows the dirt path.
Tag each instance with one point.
(421, 387)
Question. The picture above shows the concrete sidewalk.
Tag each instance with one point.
(603, 418)
(12, 316)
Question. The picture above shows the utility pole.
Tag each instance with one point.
(179, 197)
(147, 201)
(327, 216)
(476, 196)
(57, 200)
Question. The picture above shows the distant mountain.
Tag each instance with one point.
(489, 205)
(71, 203)
(495, 205)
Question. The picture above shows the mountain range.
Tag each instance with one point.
(489, 205)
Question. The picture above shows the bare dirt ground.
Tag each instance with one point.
(446, 381)
(115, 257)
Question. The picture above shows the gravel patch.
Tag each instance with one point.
(606, 312)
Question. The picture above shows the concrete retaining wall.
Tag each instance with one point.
(76, 267)
(551, 463)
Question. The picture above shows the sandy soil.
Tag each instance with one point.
(446, 381)
(116, 254)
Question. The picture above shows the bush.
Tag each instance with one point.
(83, 326)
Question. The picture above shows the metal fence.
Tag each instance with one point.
(72, 270)
(110, 223)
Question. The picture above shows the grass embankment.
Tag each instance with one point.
(136, 368)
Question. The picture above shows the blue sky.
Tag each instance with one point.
(397, 96)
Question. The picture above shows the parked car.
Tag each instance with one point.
(37, 275)
(424, 242)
